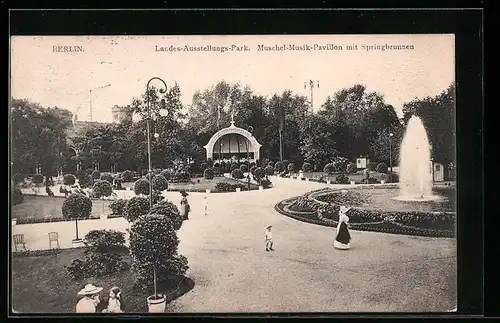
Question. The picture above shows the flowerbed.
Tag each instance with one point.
(59, 219)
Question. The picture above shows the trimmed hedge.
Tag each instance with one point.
(59, 219)
(36, 253)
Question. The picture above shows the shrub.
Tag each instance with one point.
(102, 188)
(252, 169)
(306, 167)
(69, 179)
(107, 177)
(271, 164)
(127, 176)
(228, 187)
(266, 183)
(382, 168)
(141, 187)
(351, 168)
(210, 162)
(89, 171)
(136, 207)
(244, 168)
(259, 173)
(227, 168)
(103, 250)
(169, 210)
(153, 245)
(85, 181)
(237, 173)
(285, 163)
(37, 179)
(269, 170)
(118, 207)
(18, 178)
(157, 197)
(160, 183)
(204, 165)
(342, 179)
(291, 167)
(217, 171)
(148, 176)
(340, 164)
(96, 174)
(79, 174)
(208, 173)
(279, 166)
(17, 196)
(233, 167)
(166, 173)
(77, 206)
(328, 168)
(372, 166)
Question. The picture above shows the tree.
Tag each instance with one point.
(385, 148)
(78, 207)
(141, 187)
(69, 179)
(160, 183)
(136, 207)
(153, 247)
(169, 210)
(317, 136)
(102, 189)
(438, 116)
(38, 137)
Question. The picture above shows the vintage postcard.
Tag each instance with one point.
(215, 174)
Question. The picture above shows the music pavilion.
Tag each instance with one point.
(233, 144)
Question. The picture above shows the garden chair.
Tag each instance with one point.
(19, 241)
(54, 237)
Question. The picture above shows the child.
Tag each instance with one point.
(115, 302)
(269, 239)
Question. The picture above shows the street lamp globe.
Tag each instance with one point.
(391, 134)
(156, 135)
(163, 112)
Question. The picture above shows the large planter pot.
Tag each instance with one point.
(307, 179)
(352, 182)
(261, 187)
(382, 182)
(328, 182)
(156, 303)
(238, 189)
(207, 190)
(14, 221)
(104, 216)
(77, 242)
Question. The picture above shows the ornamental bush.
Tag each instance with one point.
(141, 187)
(96, 174)
(127, 176)
(136, 207)
(217, 171)
(306, 167)
(382, 168)
(227, 168)
(228, 187)
(102, 188)
(372, 166)
(285, 164)
(118, 207)
(169, 210)
(37, 179)
(269, 170)
(328, 168)
(77, 206)
(233, 167)
(342, 179)
(244, 168)
(160, 183)
(252, 169)
(208, 173)
(69, 179)
(340, 164)
(89, 171)
(237, 173)
(17, 196)
(85, 181)
(18, 178)
(271, 164)
(107, 177)
(266, 183)
(153, 245)
(351, 168)
(166, 173)
(103, 255)
(259, 173)
(79, 174)
(210, 162)
(278, 166)
(291, 167)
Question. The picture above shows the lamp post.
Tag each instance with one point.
(148, 125)
(249, 129)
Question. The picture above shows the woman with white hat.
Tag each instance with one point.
(342, 237)
(90, 300)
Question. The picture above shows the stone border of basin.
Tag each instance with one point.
(386, 225)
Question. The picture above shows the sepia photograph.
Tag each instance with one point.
(233, 174)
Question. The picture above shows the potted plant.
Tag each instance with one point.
(77, 206)
(153, 248)
(103, 188)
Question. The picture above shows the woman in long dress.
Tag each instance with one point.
(185, 207)
(342, 236)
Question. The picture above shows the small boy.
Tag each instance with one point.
(269, 239)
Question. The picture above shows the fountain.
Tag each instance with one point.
(415, 177)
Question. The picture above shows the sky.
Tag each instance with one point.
(41, 72)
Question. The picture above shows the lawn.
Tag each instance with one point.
(204, 183)
(40, 284)
(41, 206)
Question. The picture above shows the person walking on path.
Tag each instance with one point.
(342, 236)
(185, 207)
(269, 238)
(90, 300)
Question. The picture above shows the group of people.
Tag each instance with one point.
(91, 302)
